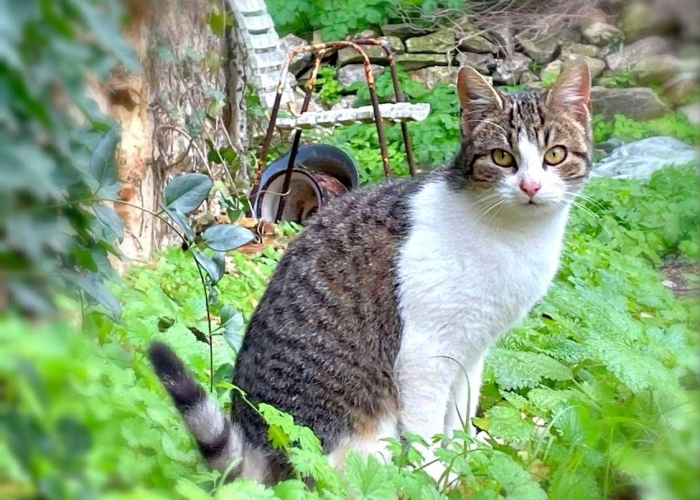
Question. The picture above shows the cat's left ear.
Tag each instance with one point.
(572, 91)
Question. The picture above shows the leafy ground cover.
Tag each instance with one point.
(595, 395)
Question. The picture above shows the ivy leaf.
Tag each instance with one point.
(212, 269)
(102, 163)
(232, 323)
(180, 221)
(110, 219)
(187, 192)
(97, 291)
(225, 237)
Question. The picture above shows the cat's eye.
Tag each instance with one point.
(502, 158)
(555, 155)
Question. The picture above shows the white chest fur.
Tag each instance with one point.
(464, 279)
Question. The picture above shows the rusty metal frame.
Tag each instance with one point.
(320, 49)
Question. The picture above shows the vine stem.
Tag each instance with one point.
(211, 343)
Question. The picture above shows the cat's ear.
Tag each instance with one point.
(572, 90)
(474, 91)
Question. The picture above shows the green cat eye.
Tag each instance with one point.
(502, 158)
(555, 155)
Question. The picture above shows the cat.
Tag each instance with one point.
(379, 316)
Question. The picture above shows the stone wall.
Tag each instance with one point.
(654, 45)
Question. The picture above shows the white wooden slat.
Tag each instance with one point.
(390, 112)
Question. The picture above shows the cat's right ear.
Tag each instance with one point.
(475, 91)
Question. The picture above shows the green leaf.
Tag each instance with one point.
(187, 192)
(505, 422)
(514, 479)
(368, 480)
(209, 266)
(180, 221)
(102, 163)
(187, 489)
(232, 322)
(516, 369)
(292, 489)
(110, 219)
(100, 293)
(225, 237)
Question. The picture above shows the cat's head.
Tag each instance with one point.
(530, 151)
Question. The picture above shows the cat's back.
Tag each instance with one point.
(322, 341)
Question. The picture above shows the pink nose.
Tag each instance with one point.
(530, 188)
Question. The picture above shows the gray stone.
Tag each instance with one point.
(657, 69)
(551, 72)
(638, 103)
(418, 61)
(346, 102)
(483, 63)
(477, 44)
(529, 77)
(639, 19)
(433, 75)
(509, 71)
(679, 89)
(368, 33)
(347, 75)
(314, 103)
(503, 38)
(692, 113)
(439, 42)
(580, 49)
(540, 49)
(632, 54)
(376, 54)
(595, 66)
(601, 33)
(301, 61)
(403, 30)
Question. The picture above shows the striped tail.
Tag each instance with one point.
(221, 443)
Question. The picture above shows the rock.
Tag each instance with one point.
(439, 42)
(580, 49)
(347, 75)
(483, 63)
(638, 103)
(639, 19)
(593, 16)
(477, 44)
(551, 72)
(346, 102)
(595, 66)
(433, 75)
(301, 61)
(509, 71)
(632, 54)
(692, 113)
(540, 49)
(601, 33)
(368, 33)
(679, 89)
(640, 159)
(568, 37)
(657, 69)
(376, 54)
(314, 103)
(402, 31)
(395, 44)
(529, 77)
(418, 61)
(503, 38)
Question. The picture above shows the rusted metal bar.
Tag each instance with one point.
(310, 84)
(398, 94)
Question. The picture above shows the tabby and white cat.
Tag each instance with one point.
(378, 317)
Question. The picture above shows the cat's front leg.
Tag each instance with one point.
(424, 392)
(464, 399)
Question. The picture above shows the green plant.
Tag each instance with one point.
(626, 129)
(594, 395)
(330, 90)
(619, 79)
